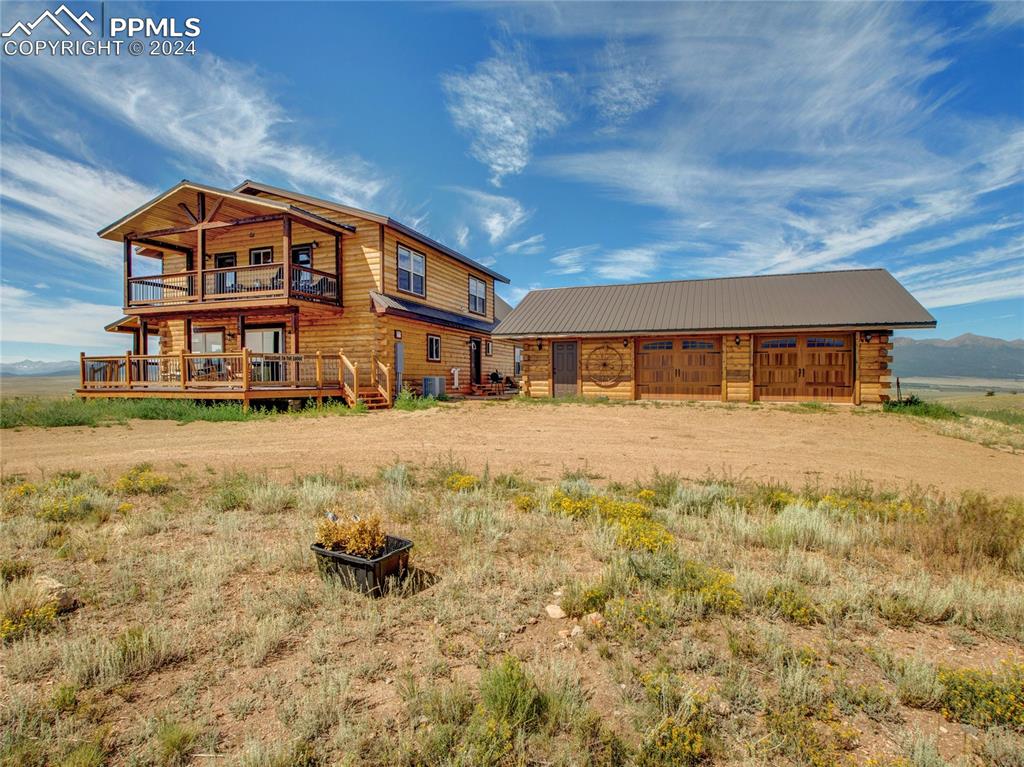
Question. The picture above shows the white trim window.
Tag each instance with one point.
(517, 365)
(259, 256)
(412, 271)
(477, 296)
(433, 348)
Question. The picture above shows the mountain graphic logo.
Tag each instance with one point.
(54, 16)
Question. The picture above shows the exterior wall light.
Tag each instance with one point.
(625, 343)
(867, 337)
(737, 340)
(540, 344)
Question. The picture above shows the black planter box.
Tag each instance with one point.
(369, 576)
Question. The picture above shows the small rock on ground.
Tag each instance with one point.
(554, 612)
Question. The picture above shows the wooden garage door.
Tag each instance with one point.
(804, 367)
(679, 368)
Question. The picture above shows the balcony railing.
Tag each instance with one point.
(233, 283)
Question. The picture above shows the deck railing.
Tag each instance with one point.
(349, 377)
(237, 371)
(233, 283)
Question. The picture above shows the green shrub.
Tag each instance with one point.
(13, 569)
(793, 603)
(681, 740)
(913, 405)
(713, 589)
(142, 480)
(509, 695)
(174, 743)
(984, 698)
(25, 608)
(406, 400)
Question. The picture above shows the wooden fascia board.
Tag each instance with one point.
(721, 331)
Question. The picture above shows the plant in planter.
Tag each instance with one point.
(359, 553)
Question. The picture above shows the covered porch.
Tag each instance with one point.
(216, 247)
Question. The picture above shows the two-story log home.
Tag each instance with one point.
(263, 293)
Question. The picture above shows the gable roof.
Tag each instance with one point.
(164, 211)
(408, 231)
(862, 297)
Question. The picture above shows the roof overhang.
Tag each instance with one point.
(395, 307)
(175, 215)
(250, 187)
(848, 328)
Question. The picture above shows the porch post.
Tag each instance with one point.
(200, 261)
(127, 271)
(136, 343)
(286, 248)
(143, 337)
(337, 265)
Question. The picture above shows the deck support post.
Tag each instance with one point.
(81, 368)
(128, 370)
(337, 266)
(246, 374)
(127, 271)
(143, 337)
(200, 262)
(183, 369)
(286, 250)
(319, 378)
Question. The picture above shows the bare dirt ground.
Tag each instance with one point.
(611, 442)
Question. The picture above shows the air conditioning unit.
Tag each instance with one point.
(433, 386)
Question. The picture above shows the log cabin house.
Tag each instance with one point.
(263, 293)
(822, 336)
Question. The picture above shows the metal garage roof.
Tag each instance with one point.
(861, 297)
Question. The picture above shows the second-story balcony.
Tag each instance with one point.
(236, 283)
(217, 247)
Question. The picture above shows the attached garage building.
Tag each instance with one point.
(821, 336)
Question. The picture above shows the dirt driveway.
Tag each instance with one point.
(615, 442)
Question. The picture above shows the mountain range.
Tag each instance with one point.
(966, 356)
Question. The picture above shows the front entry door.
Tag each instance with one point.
(804, 367)
(563, 368)
(474, 360)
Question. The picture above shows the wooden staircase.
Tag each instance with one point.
(373, 399)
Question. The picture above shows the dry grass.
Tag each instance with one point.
(739, 624)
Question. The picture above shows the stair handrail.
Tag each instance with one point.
(382, 376)
(349, 370)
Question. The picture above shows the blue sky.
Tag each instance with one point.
(561, 143)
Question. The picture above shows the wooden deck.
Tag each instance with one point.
(242, 376)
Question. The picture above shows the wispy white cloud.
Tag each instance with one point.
(513, 294)
(498, 215)
(531, 246)
(633, 263)
(221, 119)
(1004, 13)
(505, 106)
(461, 236)
(32, 318)
(628, 84)
(572, 260)
(968, 234)
(792, 137)
(53, 206)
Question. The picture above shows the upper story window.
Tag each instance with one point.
(477, 296)
(412, 271)
(302, 255)
(261, 256)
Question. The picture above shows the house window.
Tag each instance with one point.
(412, 271)
(517, 365)
(302, 255)
(208, 341)
(259, 256)
(433, 348)
(655, 346)
(477, 296)
(691, 344)
(489, 348)
(224, 260)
